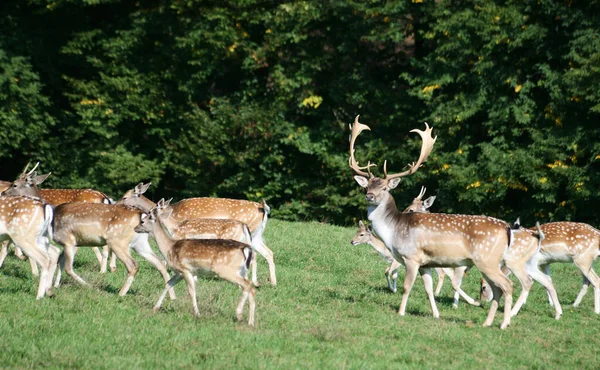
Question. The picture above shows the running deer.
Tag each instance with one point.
(567, 242)
(27, 185)
(25, 221)
(227, 259)
(425, 240)
(250, 213)
(94, 224)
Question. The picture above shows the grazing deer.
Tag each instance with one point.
(24, 221)
(566, 242)
(228, 259)
(93, 224)
(425, 240)
(250, 213)
(27, 185)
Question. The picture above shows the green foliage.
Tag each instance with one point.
(251, 99)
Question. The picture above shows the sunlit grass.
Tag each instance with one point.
(331, 309)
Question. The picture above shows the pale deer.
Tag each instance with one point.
(250, 213)
(94, 224)
(566, 242)
(25, 221)
(425, 240)
(521, 259)
(228, 259)
(365, 236)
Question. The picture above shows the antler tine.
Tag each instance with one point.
(23, 175)
(426, 148)
(356, 129)
(423, 190)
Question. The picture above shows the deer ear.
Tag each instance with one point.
(167, 202)
(429, 202)
(166, 214)
(394, 182)
(361, 224)
(362, 181)
(36, 180)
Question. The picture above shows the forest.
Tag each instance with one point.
(252, 99)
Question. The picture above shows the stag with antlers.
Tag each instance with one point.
(426, 240)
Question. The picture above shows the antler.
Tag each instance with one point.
(423, 190)
(356, 129)
(426, 148)
(25, 173)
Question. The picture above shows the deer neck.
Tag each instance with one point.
(384, 217)
(380, 247)
(163, 239)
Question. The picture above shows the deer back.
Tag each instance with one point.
(60, 196)
(204, 228)
(93, 223)
(251, 213)
(446, 239)
(566, 239)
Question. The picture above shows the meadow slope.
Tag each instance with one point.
(331, 309)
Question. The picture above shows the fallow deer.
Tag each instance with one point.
(27, 185)
(94, 224)
(425, 240)
(364, 236)
(250, 213)
(25, 221)
(566, 242)
(228, 259)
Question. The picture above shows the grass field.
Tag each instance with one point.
(331, 309)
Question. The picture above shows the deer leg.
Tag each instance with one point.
(500, 285)
(34, 269)
(3, 251)
(191, 285)
(259, 246)
(19, 254)
(121, 249)
(546, 282)
(67, 257)
(412, 268)
(37, 255)
(169, 286)
(98, 255)
(526, 282)
(394, 267)
(142, 247)
(254, 277)
(585, 283)
(103, 259)
(113, 262)
(441, 276)
(456, 281)
(248, 291)
(584, 263)
(428, 284)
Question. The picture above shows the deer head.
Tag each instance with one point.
(27, 183)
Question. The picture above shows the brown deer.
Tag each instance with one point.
(425, 240)
(93, 224)
(25, 221)
(228, 259)
(250, 213)
(566, 242)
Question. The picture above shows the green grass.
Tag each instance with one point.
(331, 309)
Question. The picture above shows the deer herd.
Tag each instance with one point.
(221, 237)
